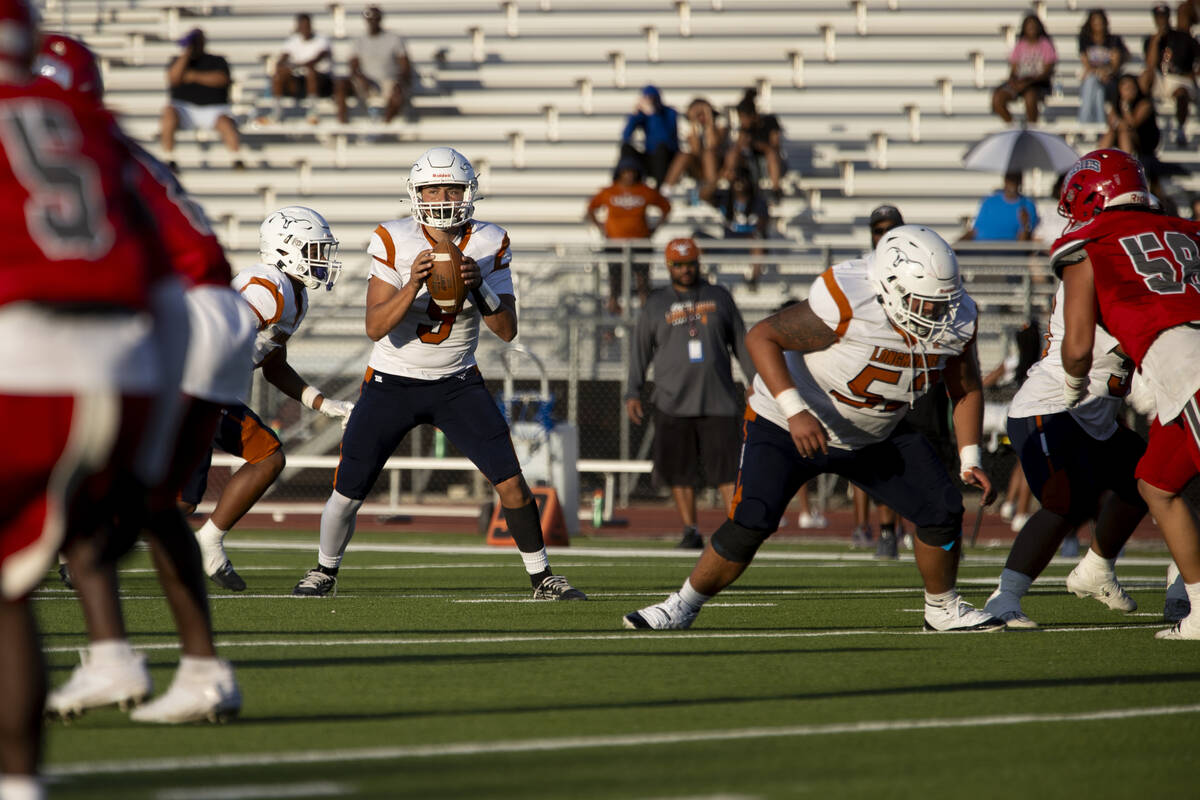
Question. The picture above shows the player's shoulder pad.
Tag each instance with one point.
(1068, 247)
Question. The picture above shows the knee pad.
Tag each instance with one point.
(943, 536)
(734, 543)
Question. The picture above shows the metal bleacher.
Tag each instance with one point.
(879, 99)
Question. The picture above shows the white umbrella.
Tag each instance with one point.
(1020, 150)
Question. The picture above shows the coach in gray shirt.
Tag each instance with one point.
(689, 329)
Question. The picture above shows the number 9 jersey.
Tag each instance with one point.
(428, 344)
(862, 385)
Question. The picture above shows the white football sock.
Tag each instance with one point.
(212, 551)
(536, 562)
(1097, 564)
(691, 597)
(940, 600)
(110, 651)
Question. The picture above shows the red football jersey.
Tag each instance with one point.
(1147, 272)
(73, 231)
(195, 253)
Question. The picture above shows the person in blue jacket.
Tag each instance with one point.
(659, 124)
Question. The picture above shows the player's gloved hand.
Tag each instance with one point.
(1074, 389)
(337, 409)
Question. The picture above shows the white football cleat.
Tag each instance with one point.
(814, 520)
(1181, 630)
(1005, 606)
(1106, 589)
(204, 690)
(121, 680)
(670, 614)
(960, 616)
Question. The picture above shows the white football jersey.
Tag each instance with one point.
(277, 301)
(862, 385)
(1108, 381)
(427, 343)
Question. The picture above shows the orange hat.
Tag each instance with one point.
(681, 251)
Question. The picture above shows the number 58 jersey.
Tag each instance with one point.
(428, 344)
(862, 385)
(1146, 267)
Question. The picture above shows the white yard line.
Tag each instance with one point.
(319, 640)
(476, 748)
(253, 791)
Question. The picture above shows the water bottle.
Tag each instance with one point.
(439, 444)
(597, 508)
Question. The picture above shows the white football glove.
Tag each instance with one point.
(337, 409)
(1074, 389)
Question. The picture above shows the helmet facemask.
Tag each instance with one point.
(442, 214)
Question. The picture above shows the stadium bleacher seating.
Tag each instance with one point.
(879, 99)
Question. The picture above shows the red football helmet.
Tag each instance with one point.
(1100, 179)
(69, 63)
(18, 26)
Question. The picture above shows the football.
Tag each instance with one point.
(445, 282)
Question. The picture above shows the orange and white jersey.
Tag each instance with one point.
(1108, 381)
(277, 301)
(862, 385)
(427, 343)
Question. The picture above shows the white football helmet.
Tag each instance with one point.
(297, 240)
(915, 273)
(442, 165)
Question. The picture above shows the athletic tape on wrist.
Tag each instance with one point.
(969, 458)
(309, 396)
(487, 300)
(789, 402)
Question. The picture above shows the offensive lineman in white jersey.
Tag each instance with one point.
(836, 375)
(423, 370)
(1071, 457)
(298, 252)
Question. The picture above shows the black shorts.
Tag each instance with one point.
(639, 266)
(390, 406)
(240, 432)
(902, 472)
(297, 85)
(696, 451)
(1068, 469)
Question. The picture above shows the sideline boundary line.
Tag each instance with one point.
(594, 742)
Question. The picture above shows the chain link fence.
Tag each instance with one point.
(581, 357)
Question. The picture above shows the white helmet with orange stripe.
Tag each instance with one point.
(297, 241)
(440, 166)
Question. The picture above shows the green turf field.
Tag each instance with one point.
(432, 674)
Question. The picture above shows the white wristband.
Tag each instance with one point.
(309, 396)
(789, 402)
(968, 458)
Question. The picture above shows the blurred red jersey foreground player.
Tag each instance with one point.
(1136, 272)
(79, 355)
(216, 371)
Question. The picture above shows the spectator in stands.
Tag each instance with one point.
(626, 203)
(1102, 54)
(199, 89)
(1171, 62)
(689, 330)
(703, 148)
(380, 65)
(1006, 215)
(759, 145)
(1132, 123)
(744, 215)
(304, 68)
(1032, 65)
(659, 124)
